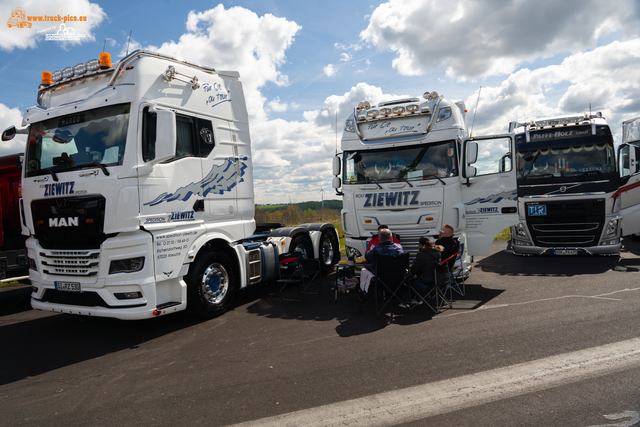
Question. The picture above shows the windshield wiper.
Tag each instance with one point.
(546, 175)
(587, 173)
(404, 178)
(53, 174)
(100, 165)
(434, 176)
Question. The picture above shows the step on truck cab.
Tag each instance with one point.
(567, 184)
(411, 164)
(137, 192)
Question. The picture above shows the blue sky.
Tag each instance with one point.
(303, 62)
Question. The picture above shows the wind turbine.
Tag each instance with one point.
(322, 191)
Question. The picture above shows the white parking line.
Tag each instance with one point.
(415, 403)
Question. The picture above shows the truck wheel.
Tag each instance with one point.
(329, 252)
(211, 285)
(302, 245)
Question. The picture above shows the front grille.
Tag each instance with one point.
(70, 263)
(575, 223)
(69, 222)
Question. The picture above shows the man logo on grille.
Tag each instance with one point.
(63, 222)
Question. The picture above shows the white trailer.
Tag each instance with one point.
(137, 192)
(412, 165)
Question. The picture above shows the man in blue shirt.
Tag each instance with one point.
(386, 247)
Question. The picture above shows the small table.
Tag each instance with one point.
(347, 277)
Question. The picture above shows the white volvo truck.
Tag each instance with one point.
(411, 164)
(567, 185)
(137, 192)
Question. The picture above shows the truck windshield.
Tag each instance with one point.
(401, 164)
(79, 140)
(586, 162)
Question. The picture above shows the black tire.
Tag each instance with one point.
(302, 245)
(211, 285)
(329, 251)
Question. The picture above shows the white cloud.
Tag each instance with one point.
(330, 70)
(8, 117)
(237, 39)
(489, 37)
(24, 38)
(277, 106)
(604, 79)
(345, 57)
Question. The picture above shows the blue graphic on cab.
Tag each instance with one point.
(537, 210)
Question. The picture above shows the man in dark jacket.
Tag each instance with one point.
(446, 240)
(376, 239)
(386, 247)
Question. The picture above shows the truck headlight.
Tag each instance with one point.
(352, 252)
(520, 230)
(612, 228)
(129, 265)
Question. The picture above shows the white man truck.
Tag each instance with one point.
(411, 164)
(137, 192)
(567, 185)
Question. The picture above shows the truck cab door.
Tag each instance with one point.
(168, 182)
(488, 190)
(628, 194)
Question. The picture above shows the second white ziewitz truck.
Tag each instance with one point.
(137, 192)
(412, 165)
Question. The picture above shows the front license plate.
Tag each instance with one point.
(537, 210)
(565, 252)
(68, 286)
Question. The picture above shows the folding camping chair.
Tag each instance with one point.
(439, 290)
(392, 273)
(299, 272)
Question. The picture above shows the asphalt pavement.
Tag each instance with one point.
(535, 341)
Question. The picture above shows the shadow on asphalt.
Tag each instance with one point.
(353, 320)
(506, 264)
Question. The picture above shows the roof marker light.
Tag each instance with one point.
(46, 78)
(385, 111)
(105, 60)
(398, 110)
(373, 114)
(412, 108)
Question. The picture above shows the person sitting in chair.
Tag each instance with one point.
(445, 239)
(423, 269)
(386, 247)
(376, 239)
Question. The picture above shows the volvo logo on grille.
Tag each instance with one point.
(563, 188)
(63, 222)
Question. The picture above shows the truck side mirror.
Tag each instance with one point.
(336, 182)
(9, 133)
(165, 136)
(472, 152)
(336, 166)
(471, 171)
